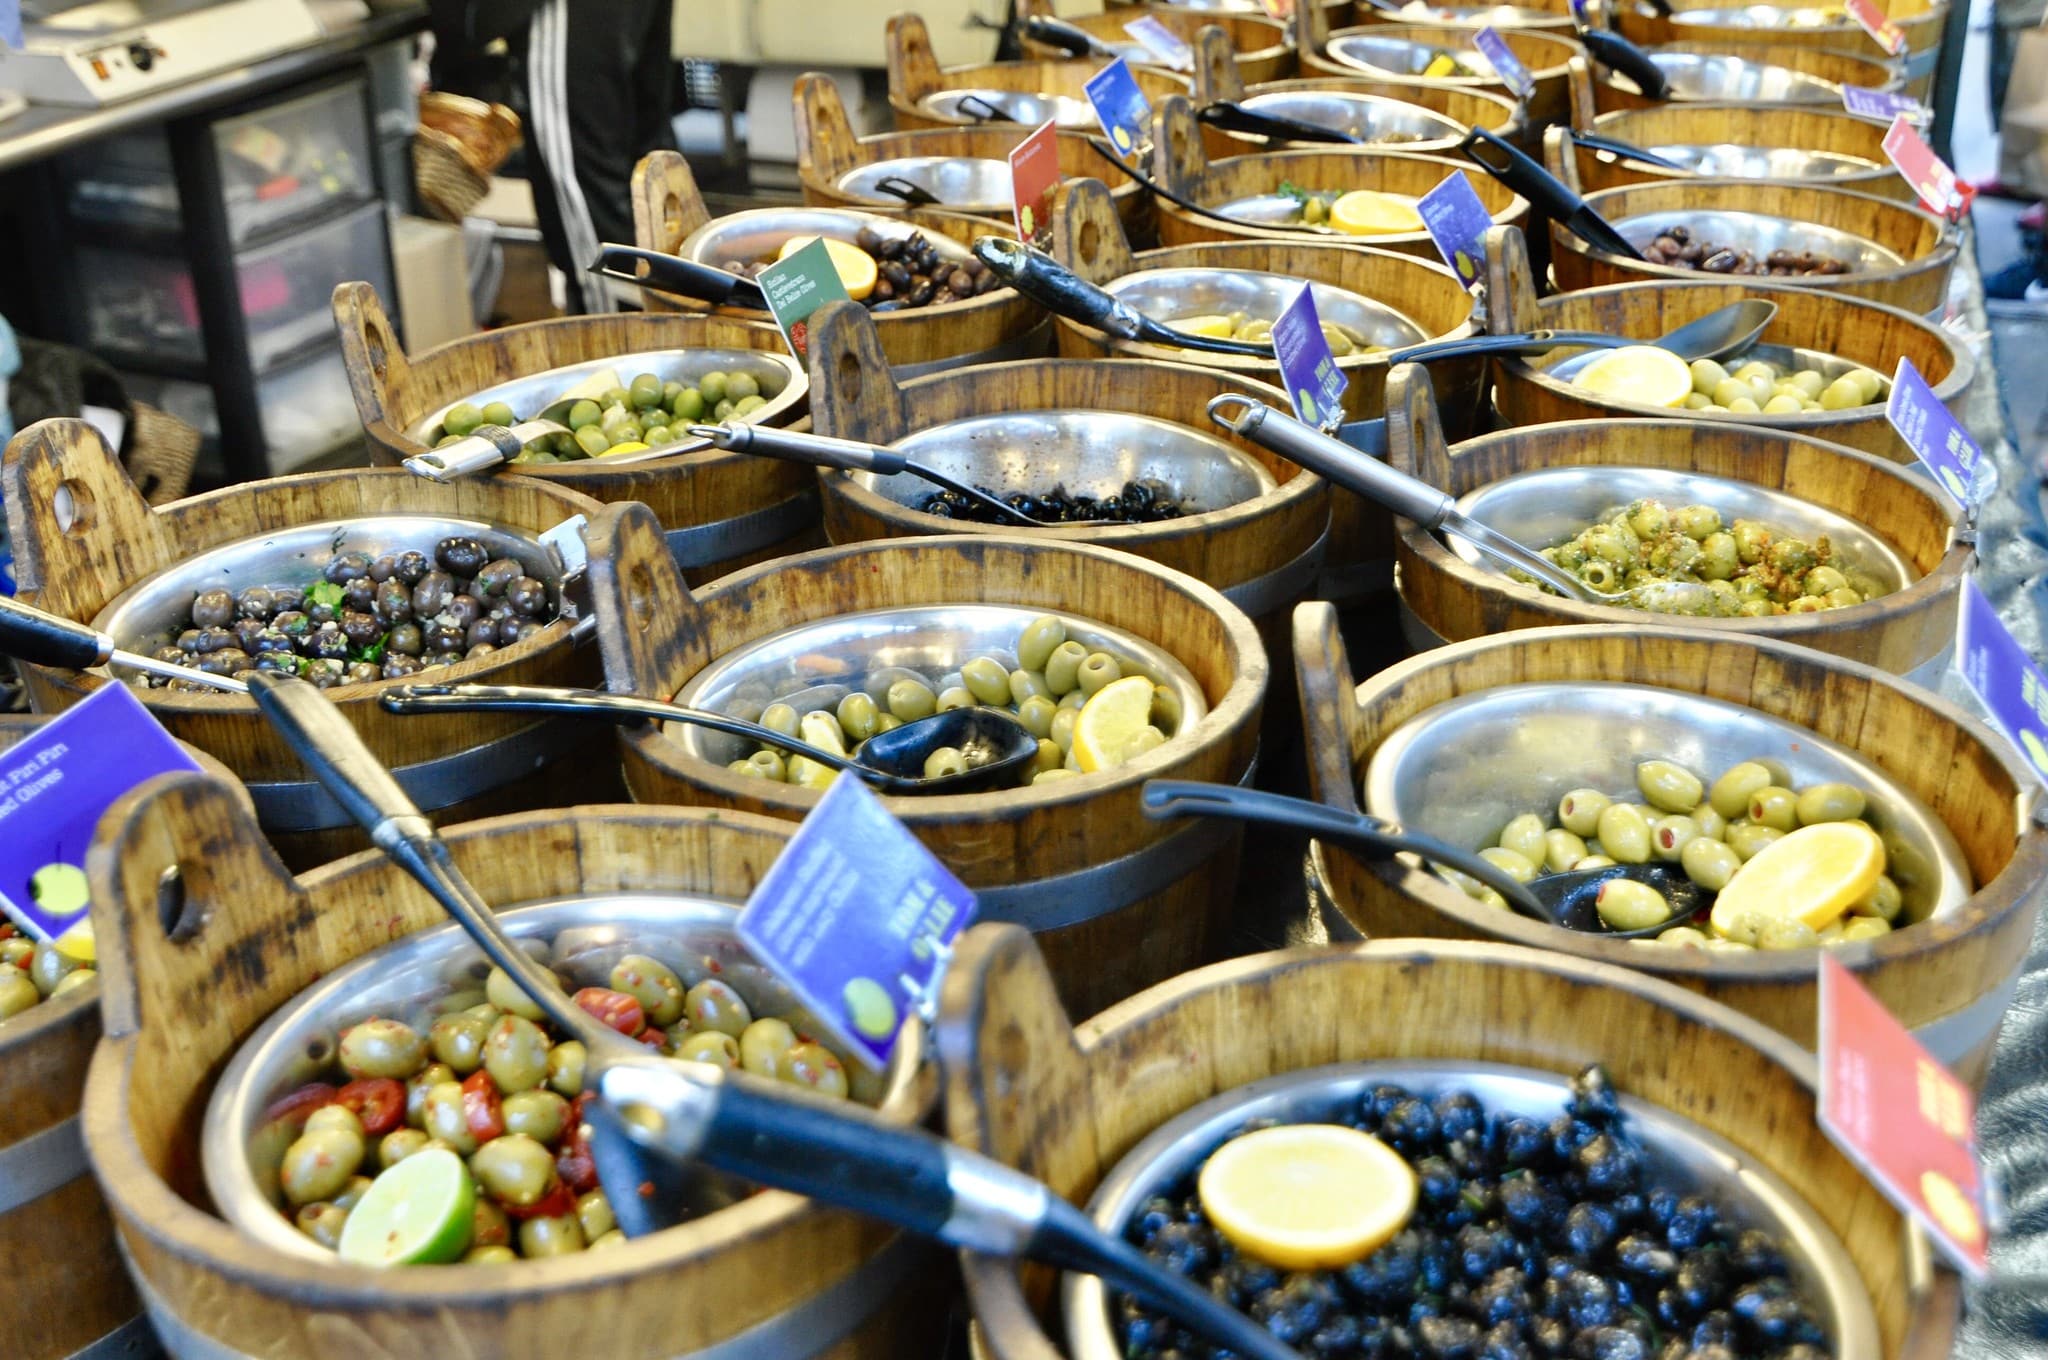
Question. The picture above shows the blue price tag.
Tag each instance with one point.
(2005, 679)
(1933, 432)
(10, 24)
(858, 918)
(1506, 64)
(55, 784)
(1579, 15)
(1457, 222)
(1884, 105)
(1314, 382)
(1162, 42)
(1121, 107)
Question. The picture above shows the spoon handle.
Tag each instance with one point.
(1518, 342)
(1619, 54)
(826, 451)
(1515, 169)
(1521, 557)
(1051, 32)
(1232, 117)
(676, 276)
(1332, 458)
(43, 639)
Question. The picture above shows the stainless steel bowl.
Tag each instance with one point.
(758, 233)
(1373, 119)
(1214, 6)
(1466, 767)
(1259, 210)
(1365, 51)
(1726, 160)
(1679, 1154)
(1761, 235)
(155, 609)
(580, 938)
(969, 183)
(1482, 16)
(1030, 109)
(1172, 294)
(1766, 16)
(1713, 76)
(1829, 366)
(782, 382)
(816, 665)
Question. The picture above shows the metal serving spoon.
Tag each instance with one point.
(1059, 289)
(1234, 117)
(1600, 141)
(892, 761)
(1070, 38)
(1412, 498)
(672, 274)
(43, 639)
(657, 1122)
(1550, 195)
(1725, 330)
(1108, 153)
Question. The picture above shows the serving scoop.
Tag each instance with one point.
(1723, 331)
(1059, 289)
(43, 639)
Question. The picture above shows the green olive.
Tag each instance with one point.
(781, 717)
(1561, 850)
(1841, 395)
(1865, 927)
(1670, 835)
(1592, 862)
(337, 1117)
(765, 1046)
(49, 965)
(540, 1114)
(1098, 670)
(911, 700)
(807, 773)
(1579, 811)
(545, 1236)
(1624, 834)
(444, 1117)
(1829, 803)
(1074, 698)
(1028, 685)
(1063, 667)
(1883, 901)
(710, 1046)
(506, 995)
(653, 984)
(1774, 806)
(17, 993)
(1683, 935)
(1036, 713)
(987, 679)
(565, 1067)
(516, 1054)
(687, 405)
(1668, 787)
(515, 1169)
(1731, 792)
(822, 730)
(1524, 836)
(1709, 863)
(944, 762)
(958, 696)
(1786, 932)
(398, 1145)
(857, 713)
(462, 418)
(770, 764)
(17, 950)
(1516, 866)
(1166, 709)
(74, 981)
(1749, 839)
(496, 1254)
(1625, 904)
(1712, 824)
(382, 1048)
(416, 1088)
(646, 391)
(714, 1005)
(458, 1040)
(1035, 645)
(1050, 756)
(594, 1213)
(319, 1163)
(323, 1223)
(818, 1068)
(1063, 727)
(740, 386)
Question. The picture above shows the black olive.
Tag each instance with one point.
(361, 630)
(363, 672)
(528, 596)
(347, 567)
(437, 659)
(868, 239)
(328, 644)
(211, 640)
(257, 602)
(360, 595)
(321, 612)
(1644, 1256)
(397, 664)
(920, 293)
(1588, 1228)
(325, 673)
(892, 305)
(890, 248)
(394, 602)
(1611, 1343)
(412, 565)
(529, 627)
(246, 632)
(1756, 1256)
(384, 568)
(432, 594)
(484, 632)
(271, 640)
(280, 663)
(406, 639)
(292, 623)
(1667, 244)
(442, 637)
(1722, 261)
(495, 575)
(462, 611)
(897, 275)
(213, 609)
(460, 556)
(226, 661)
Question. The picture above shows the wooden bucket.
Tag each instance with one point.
(1776, 125)
(67, 1295)
(1546, 54)
(827, 150)
(667, 208)
(1839, 68)
(1922, 22)
(1066, 1102)
(1086, 240)
(1181, 165)
(1263, 47)
(772, 1277)
(1949, 979)
(1920, 285)
(1120, 901)
(1867, 333)
(721, 510)
(1219, 76)
(1454, 601)
(915, 75)
(454, 765)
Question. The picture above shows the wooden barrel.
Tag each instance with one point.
(1922, 241)
(721, 510)
(772, 1277)
(1454, 600)
(1866, 333)
(1181, 165)
(915, 75)
(1120, 901)
(67, 1294)
(1950, 979)
(76, 551)
(1219, 77)
(1263, 47)
(1835, 67)
(1262, 554)
(1086, 240)
(1066, 1103)
(1921, 21)
(827, 150)
(1778, 125)
(668, 208)
(1546, 54)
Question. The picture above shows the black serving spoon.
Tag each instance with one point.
(1108, 153)
(892, 761)
(1567, 900)
(43, 639)
(1615, 146)
(1513, 168)
(1618, 54)
(1069, 38)
(672, 274)
(1059, 289)
(657, 1122)
(1725, 330)
(1234, 117)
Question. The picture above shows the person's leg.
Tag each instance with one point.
(654, 78)
(2004, 40)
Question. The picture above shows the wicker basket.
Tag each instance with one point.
(459, 143)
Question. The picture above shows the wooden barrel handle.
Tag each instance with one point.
(1216, 73)
(81, 530)
(1415, 433)
(667, 205)
(1329, 704)
(1027, 9)
(1558, 158)
(913, 67)
(853, 392)
(1311, 29)
(1578, 74)
(825, 144)
(1178, 161)
(188, 903)
(650, 629)
(1087, 235)
(379, 374)
(1511, 304)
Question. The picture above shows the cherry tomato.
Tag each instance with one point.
(559, 1200)
(615, 1009)
(482, 1110)
(300, 1103)
(378, 1101)
(573, 1162)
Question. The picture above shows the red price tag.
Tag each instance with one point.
(1279, 9)
(1929, 175)
(1034, 174)
(1901, 1116)
(1878, 25)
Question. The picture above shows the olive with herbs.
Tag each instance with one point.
(461, 556)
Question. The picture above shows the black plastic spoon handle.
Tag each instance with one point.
(1108, 153)
(1520, 342)
(1075, 41)
(678, 277)
(1234, 117)
(826, 451)
(1619, 54)
(43, 639)
(1615, 146)
(1514, 168)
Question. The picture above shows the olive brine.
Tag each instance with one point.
(1529, 1239)
(367, 618)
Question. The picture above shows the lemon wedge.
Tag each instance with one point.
(1115, 725)
(1369, 212)
(77, 943)
(1307, 1196)
(1639, 373)
(1212, 324)
(855, 267)
(628, 446)
(1812, 875)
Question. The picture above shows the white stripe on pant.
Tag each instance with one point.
(548, 93)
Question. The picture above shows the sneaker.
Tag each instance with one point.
(2013, 282)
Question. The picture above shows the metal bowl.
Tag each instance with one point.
(1712, 76)
(1829, 366)
(1481, 16)
(1466, 767)
(1171, 294)
(1365, 51)
(1373, 119)
(1032, 110)
(782, 381)
(969, 183)
(581, 938)
(818, 664)
(1223, 6)
(758, 233)
(1261, 210)
(1679, 1154)
(1726, 160)
(1761, 235)
(1766, 16)
(154, 610)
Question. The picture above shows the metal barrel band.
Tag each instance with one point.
(1029, 344)
(40, 1163)
(701, 545)
(1282, 586)
(431, 784)
(134, 1339)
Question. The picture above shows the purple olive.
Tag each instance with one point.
(347, 567)
(226, 661)
(461, 556)
(412, 566)
(363, 672)
(257, 602)
(461, 611)
(404, 639)
(384, 568)
(481, 632)
(398, 664)
(360, 595)
(493, 577)
(329, 644)
(213, 609)
(528, 596)
(292, 623)
(443, 637)
(361, 630)
(394, 601)
(432, 594)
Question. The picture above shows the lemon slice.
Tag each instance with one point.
(1368, 212)
(855, 267)
(1812, 875)
(420, 1211)
(77, 943)
(625, 446)
(1307, 1196)
(1640, 373)
(1114, 725)
(1212, 324)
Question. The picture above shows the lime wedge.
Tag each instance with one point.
(419, 1212)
